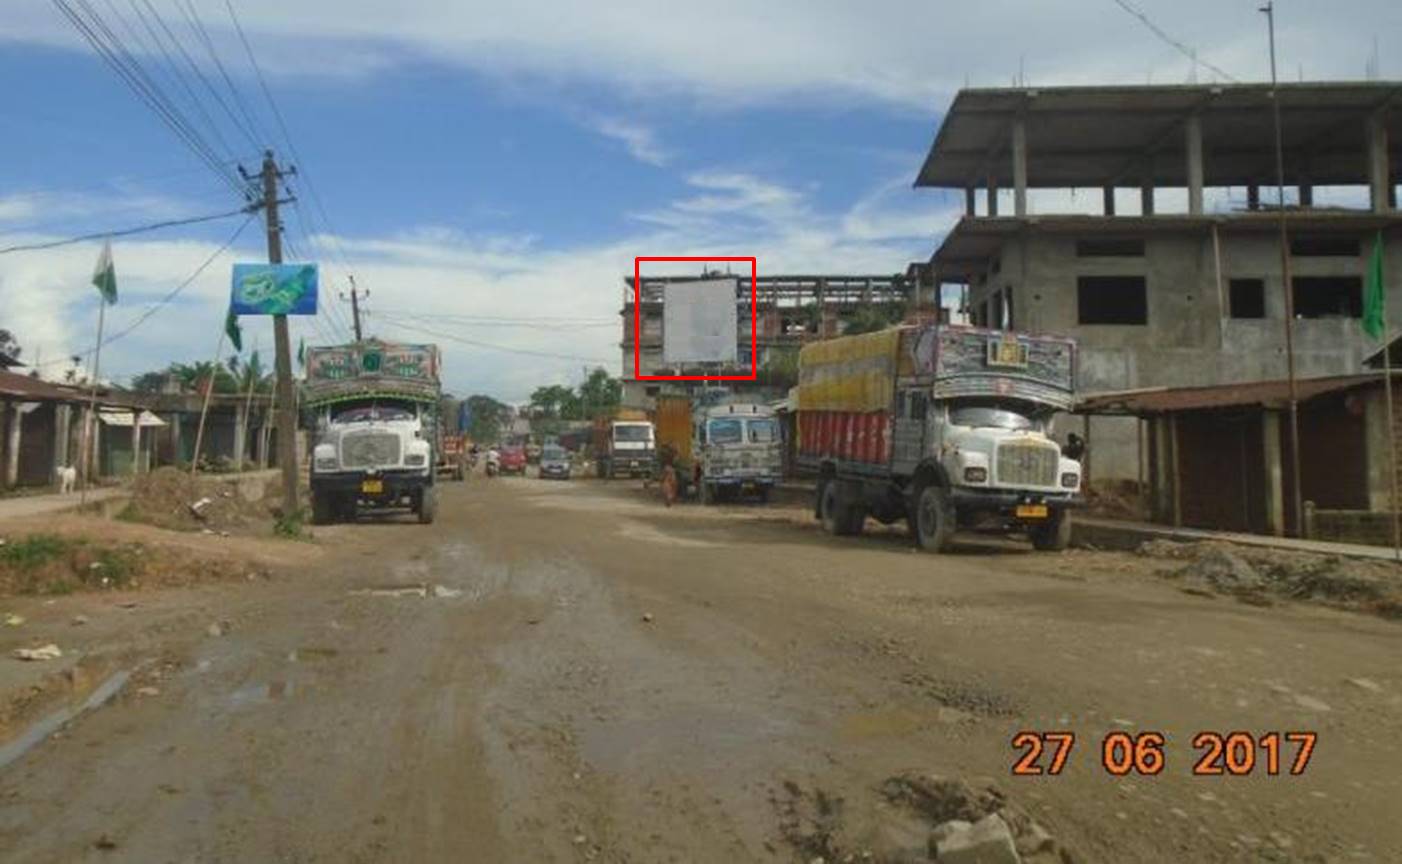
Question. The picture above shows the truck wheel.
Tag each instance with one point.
(1054, 535)
(856, 518)
(322, 511)
(836, 513)
(932, 521)
(427, 506)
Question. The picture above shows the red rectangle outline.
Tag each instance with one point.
(638, 319)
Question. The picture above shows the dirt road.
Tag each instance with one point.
(569, 672)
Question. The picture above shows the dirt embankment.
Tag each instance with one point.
(1260, 576)
(173, 499)
(50, 563)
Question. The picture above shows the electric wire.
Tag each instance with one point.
(1174, 43)
(490, 346)
(125, 232)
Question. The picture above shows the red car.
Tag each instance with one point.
(512, 460)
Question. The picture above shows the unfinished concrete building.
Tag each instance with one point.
(790, 310)
(1174, 276)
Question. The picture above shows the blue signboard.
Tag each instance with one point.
(274, 289)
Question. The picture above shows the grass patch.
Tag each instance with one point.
(34, 551)
(292, 526)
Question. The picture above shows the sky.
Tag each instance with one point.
(489, 170)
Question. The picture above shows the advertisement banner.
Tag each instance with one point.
(274, 289)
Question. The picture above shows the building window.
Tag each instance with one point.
(1112, 300)
(1110, 247)
(1247, 298)
(1328, 296)
(1324, 246)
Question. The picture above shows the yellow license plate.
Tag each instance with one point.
(1031, 511)
(372, 487)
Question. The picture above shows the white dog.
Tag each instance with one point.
(67, 477)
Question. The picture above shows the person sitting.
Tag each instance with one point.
(1074, 448)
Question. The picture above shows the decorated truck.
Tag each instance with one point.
(375, 406)
(720, 446)
(946, 427)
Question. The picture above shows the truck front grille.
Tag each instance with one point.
(1027, 465)
(370, 450)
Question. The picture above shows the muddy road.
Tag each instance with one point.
(570, 672)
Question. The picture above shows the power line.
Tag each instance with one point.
(124, 232)
(1190, 53)
(166, 299)
(476, 343)
(112, 51)
(196, 25)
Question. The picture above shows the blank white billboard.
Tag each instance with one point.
(699, 321)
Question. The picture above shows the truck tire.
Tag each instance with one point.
(1054, 535)
(427, 506)
(836, 510)
(323, 509)
(932, 518)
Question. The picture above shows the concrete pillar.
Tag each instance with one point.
(1379, 181)
(12, 442)
(1146, 196)
(1306, 195)
(135, 443)
(1161, 506)
(1019, 167)
(992, 197)
(968, 201)
(1108, 198)
(62, 421)
(177, 452)
(1376, 444)
(1193, 133)
(1253, 197)
(1274, 493)
(95, 454)
(240, 433)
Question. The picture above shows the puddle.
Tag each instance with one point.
(261, 693)
(50, 724)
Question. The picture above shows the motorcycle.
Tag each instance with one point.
(493, 465)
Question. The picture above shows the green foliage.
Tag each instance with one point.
(780, 367)
(555, 402)
(599, 395)
(9, 346)
(34, 551)
(487, 417)
(869, 319)
(291, 526)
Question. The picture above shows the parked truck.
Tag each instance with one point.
(624, 445)
(376, 428)
(943, 426)
(720, 447)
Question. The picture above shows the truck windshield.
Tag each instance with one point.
(362, 413)
(762, 431)
(632, 433)
(991, 417)
(724, 432)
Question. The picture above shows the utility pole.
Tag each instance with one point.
(355, 298)
(1287, 289)
(282, 346)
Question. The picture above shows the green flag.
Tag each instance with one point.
(232, 329)
(1374, 296)
(105, 276)
(302, 351)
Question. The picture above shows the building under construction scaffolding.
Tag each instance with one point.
(788, 311)
(1172, 274)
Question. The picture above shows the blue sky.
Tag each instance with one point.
(509, 160)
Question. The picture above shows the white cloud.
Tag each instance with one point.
(640, 141)
(440, 281)
(907, 52)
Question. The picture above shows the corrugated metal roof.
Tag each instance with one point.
(17, 386)
(1270, 394)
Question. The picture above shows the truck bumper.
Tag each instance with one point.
(746, 482)
(1009, 502)
(392, 485)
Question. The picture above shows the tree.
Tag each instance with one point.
(9, 346)
(555, 402)
(869, 319)
(599, 395)
(487, 416)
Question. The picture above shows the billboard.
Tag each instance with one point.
(274, 289)
(699, 321)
